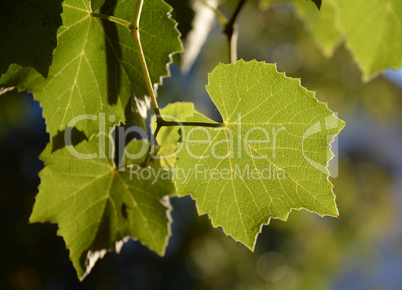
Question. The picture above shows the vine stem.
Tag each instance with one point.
(231, 31)
(134, 28)
(135, 31)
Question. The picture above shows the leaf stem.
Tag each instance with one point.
(134, 27)
(112, 19)
(135, 32)
(162, 123)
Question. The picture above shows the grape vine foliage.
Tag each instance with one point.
(96, 65)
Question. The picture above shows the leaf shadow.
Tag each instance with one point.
(59, 140)
(113, 53)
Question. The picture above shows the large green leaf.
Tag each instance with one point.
(270, 155)
(374, 33)
(97, 207)
(28, 33)
(96, 67)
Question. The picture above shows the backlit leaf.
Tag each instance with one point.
(97, 207)
(270, 155)
(374, 33)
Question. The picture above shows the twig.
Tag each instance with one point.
(135, 31)
(231, 31)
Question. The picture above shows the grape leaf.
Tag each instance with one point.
(96, 66)
(97, 207)
(374, 34)
(28, 33)
(268, 157)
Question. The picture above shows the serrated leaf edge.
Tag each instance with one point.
(93, 257)
(216, 225)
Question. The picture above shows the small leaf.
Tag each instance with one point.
(270, 156)
(28, 33)
(98, 207)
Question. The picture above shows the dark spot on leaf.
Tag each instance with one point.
(124, 210)
(181, 135)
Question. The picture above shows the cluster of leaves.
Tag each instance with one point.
(372, 34)
(96, 79)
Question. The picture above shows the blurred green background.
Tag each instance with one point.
(360, 250)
